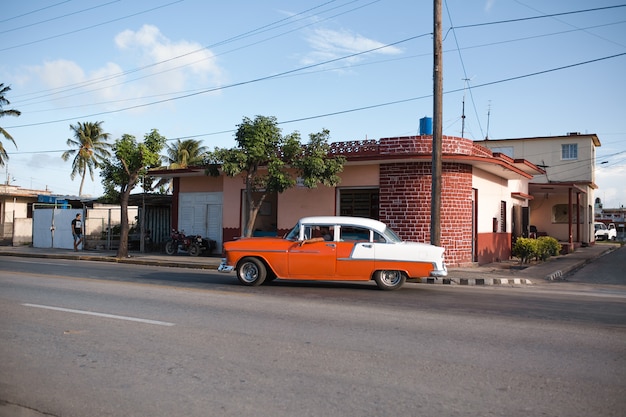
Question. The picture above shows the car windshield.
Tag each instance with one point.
(294, 233)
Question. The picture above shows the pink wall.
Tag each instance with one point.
(204, 183)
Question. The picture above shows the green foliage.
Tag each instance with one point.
(182, 154)
(540, 249)
(524, 249)
(547, 246)
(271, 162)
(90, 150)
(8, 112)
(129, 165)
(130, 162)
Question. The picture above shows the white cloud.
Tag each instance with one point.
(152, 47)
(611, 186)
(489, 5)
(329, 44)
(146, 48)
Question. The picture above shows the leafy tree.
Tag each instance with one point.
(125, 170)
(10, 112)
(91, 150)
(271, 162)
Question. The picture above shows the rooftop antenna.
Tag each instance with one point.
(488, 117)
(463, 112)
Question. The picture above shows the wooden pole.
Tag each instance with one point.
(435, 204)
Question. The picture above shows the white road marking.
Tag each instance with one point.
(109, 316)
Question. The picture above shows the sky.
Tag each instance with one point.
(363, 69)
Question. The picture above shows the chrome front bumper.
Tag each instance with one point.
(224, 267)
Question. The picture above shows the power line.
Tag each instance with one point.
(34, 11)
(213, 89)
(89, 27)
(59, 17)
(260, 29)
(373, 106)
(521, 19)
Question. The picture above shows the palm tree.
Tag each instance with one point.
(91, 150)
(183, 154)
(10, 112)
(180, 155)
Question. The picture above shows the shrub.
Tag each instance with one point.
(541, 248)
(525, 249)
(547, 246)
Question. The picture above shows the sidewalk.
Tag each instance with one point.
(501, 273)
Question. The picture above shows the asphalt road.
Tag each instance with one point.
(99, 339)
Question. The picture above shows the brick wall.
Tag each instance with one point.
(405, 194)
(423, 145)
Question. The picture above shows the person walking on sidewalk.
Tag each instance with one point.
(77, 231)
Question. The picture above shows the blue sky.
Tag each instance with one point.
(360, 68)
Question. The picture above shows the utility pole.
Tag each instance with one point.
(435, 201)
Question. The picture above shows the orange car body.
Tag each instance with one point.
(355, 250)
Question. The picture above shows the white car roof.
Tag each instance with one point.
(345, 220)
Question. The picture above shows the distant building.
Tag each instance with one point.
(16, 213)
(563, 196)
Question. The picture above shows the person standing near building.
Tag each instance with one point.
(77, 231)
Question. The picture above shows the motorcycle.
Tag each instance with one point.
(194, 245)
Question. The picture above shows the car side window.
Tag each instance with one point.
(355, 234)
(378, 238)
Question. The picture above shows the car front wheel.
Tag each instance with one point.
(389, 280)
(251, 272)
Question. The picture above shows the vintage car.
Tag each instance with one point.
(333, 248)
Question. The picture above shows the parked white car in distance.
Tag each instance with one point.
(605, 233)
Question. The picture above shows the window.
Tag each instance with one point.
(569, 151)
(354, 233)
(502, 216)
(359, 203)
(560, 213)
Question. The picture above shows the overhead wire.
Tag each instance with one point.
(34, 11)
(59, 17)
(290, 72)
(466, 78)
(247, 34)
(350, 65)
(89, 27)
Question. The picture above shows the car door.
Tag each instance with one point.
(312, 258)
(356, 254)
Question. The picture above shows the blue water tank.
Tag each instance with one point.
(426, 126)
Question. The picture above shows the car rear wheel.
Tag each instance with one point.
(389, 280)
(251, 272)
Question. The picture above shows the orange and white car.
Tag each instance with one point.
(333, 248)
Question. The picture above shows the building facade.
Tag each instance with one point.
(563, 196)
(485, 196)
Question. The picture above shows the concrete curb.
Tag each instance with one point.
(112, 259)
(473, 281)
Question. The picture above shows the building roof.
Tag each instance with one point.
(410, 149)
(570, 135)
